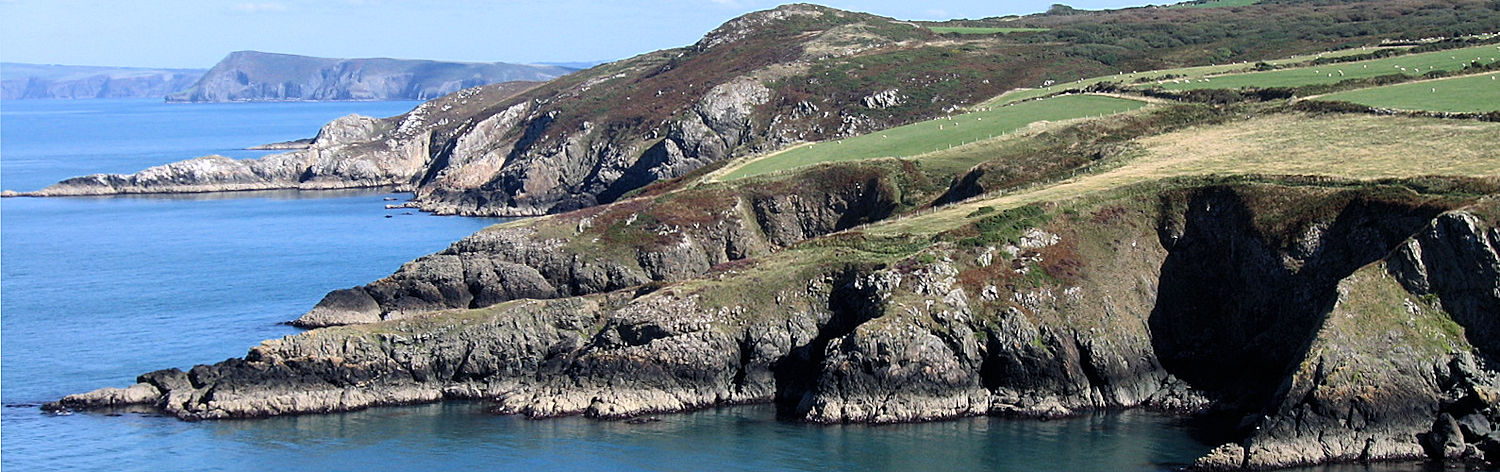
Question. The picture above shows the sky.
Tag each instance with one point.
(197, 33)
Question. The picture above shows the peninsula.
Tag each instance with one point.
(862, 219)
(249, 76)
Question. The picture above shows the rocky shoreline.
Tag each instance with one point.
(1317, 320)
(833, 335)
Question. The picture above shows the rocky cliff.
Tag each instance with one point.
(351, 152)
(37, 81)
(620, 246)
(1343, 332)
(248, 76)
(796, 73)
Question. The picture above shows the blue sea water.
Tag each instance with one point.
(94, 291)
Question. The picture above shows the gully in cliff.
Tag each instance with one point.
(829, 335)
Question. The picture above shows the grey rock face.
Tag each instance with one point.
(1420, 404)
(341, 307)
(336, 159)
(507, 263)
(573, 143)
(1457, 259)
(350, 152)
(886, 99)
(845, 341)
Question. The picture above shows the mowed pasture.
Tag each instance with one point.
(980, 30)
(1468, 94)
(1411, 65)
(1152, 76)
(1217, 4)
(1352, 146)
(936, 135)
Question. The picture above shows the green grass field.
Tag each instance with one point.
(1477, 93)
(1414, 64)
(1346, 146)
(939, 134)
(1216, 4)
(1184, 73)
(980, 30)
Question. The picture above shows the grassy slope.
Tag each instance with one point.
(1217, 4)
(1183, 73)
(1341, 146)
(1414, 64)
(936, 135)
(980, 30)
(1475, 93)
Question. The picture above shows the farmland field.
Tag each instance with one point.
(980, 30)
(1186, 73)
(1475, 93)
(1353, 146)
(943, 133)
(1216, 4)
(1411, 65)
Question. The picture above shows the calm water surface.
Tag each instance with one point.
(94, 291)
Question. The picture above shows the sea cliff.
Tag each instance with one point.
(250, 76)
(1361, 334)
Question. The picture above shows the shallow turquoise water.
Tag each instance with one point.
(94, 291)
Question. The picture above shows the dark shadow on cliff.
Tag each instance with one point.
(851, 304)
(1457, 262)
(1237, 310)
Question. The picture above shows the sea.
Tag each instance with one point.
(97, 290)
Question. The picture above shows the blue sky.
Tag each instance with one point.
(197, 33)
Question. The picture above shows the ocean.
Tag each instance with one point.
(94, 291)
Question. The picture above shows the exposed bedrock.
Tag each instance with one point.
(1232, 296)
(1377, 359)
(1337, 333)
(580, 253)
(339, 157)
(1455, 259)
(594, 136)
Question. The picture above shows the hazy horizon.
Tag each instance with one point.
(189, 34)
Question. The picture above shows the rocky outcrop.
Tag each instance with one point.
(835, 352)
(292, 145)
(1405, 351)
(37, 81)
(337, 158)
(350, 152)
(886, 99)
(1369, 360)
(594, 137)
(248, 76)
(616, 247)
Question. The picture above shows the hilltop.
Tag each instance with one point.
(794, 74)
(258, 76)
(1312, 279)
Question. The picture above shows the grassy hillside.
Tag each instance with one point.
(1186, 74)
(1358, 147)
(937, 135)
(1215, 3)
(981, 30)
(1166, 251)
(1413, 65)
(1468, 94)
